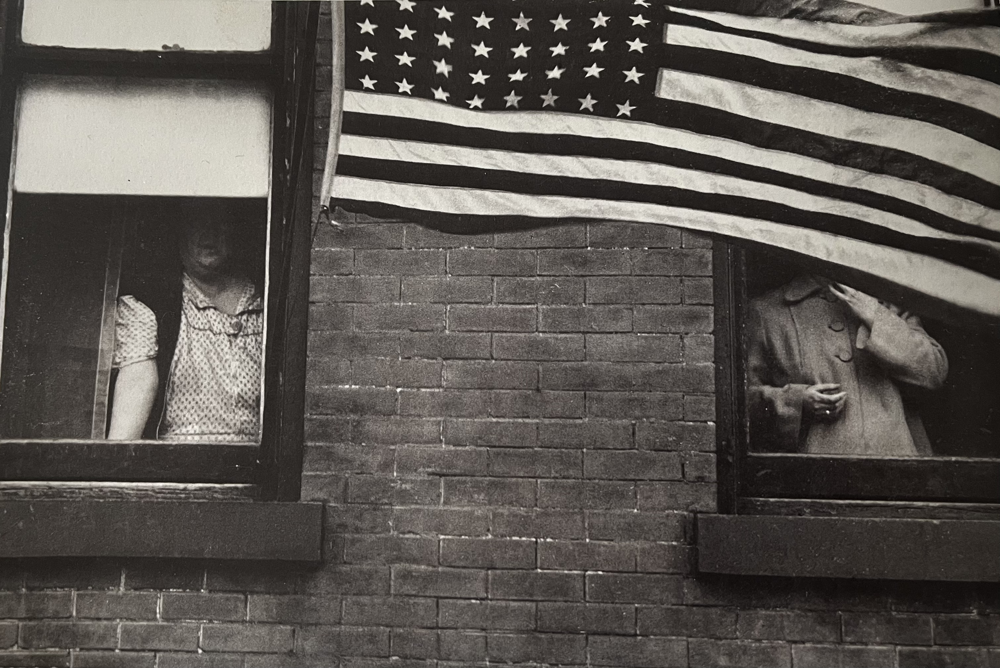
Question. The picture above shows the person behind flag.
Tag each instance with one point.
(828, 370)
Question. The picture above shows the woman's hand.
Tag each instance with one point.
(824, 402)
(863, 306)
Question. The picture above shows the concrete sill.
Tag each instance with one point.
(165, 529)
(830, 547)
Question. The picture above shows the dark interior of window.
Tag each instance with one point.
(962, 417)
(70, 258)
(759, 473)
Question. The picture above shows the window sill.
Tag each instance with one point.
(865, 548)
(166, 529)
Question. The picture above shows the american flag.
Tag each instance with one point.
(875, 147)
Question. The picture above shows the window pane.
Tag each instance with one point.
(859, 375)
(53, 318)
(143, 137)
(149, 25)
(109, 328)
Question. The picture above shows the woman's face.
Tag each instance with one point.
(206, 245)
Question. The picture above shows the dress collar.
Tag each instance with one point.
(249, 299)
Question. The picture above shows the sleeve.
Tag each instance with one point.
(902, 347)
(135, 333)
(775, 404)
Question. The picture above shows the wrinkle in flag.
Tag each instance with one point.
(873, 147)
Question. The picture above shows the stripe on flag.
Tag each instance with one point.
(833, 120)
(895, 76)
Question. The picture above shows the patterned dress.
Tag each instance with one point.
(214, 384)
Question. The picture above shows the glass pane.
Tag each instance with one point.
(149, 25)
(193, 276)
(53, 318)
(133, 317)
(837, 369)
(143, 137)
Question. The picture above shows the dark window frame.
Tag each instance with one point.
(771, 475)
(833, 516)
(273, 467)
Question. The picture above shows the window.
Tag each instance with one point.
(107, 173)
(925, 430)
(914, 437)
(127, 126)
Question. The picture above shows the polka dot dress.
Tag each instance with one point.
(135, 333)
(213, 388)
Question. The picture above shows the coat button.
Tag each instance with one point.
(837, 326)
(236, 326)
(845, 356)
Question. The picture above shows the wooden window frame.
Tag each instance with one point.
(272, 470)
(825, 516)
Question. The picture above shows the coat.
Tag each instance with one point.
(801, 335)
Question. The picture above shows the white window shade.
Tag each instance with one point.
(149, 25)
(143, 137)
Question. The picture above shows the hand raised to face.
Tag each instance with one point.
(865, 307)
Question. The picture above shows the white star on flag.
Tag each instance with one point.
(367, 27)
(443, 13)
(555, 72)
(639, 21)
(593, 71)
(440, 94)
(549, 100)
(625, 109)
(558, 50)
(441, 67)
(368, 55)
(587, 103)
(482, 50)
(479, 77)
(406, 5)
(522, 23)
(482, 21)
(476, 102)
(636, 45)
(517, 76)
(444, 40)
(512, 100)
(632, 75)
(521, 51)
(404, 87)
(600, 21)
(368, 82)
(405, 59)
(560, 23)
(597, 45)
(406, 33)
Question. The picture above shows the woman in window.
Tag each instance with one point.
(212, 387)
(829, 368)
